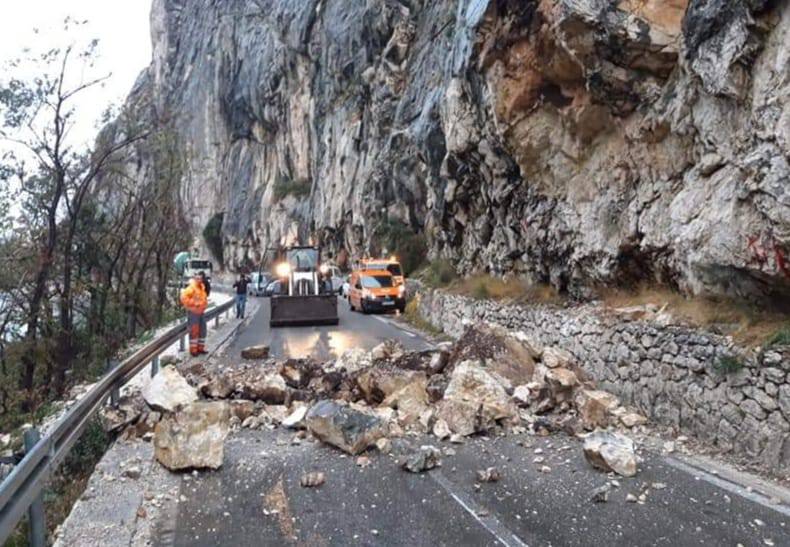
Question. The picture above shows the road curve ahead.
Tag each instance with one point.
(355, 330)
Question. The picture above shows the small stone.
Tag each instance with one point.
(490, 474)
(132, 472)
(630, 498)
(545, 469)
(363, 461)
(601, 494)
(312, 480)
(424, 459)
(384, 445)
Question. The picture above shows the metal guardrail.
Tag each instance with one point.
(21, 491)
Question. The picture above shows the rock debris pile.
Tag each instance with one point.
(489, 382)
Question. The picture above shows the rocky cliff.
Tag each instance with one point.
(579, 142)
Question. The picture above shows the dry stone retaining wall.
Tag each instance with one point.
(670, 373)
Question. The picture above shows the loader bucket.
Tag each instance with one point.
(289, 311)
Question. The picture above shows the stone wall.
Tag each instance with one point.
(670, 373)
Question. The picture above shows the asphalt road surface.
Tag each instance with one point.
(323, 342)
(256, 498)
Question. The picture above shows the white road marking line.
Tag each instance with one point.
(490, 523)
(735, 488)
(393, 324)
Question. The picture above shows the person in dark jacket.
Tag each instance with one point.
(241, 295)
(206, 283)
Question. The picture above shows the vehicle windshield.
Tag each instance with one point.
(200, 265)
(394, 269)
(302, 260)
(376, 281)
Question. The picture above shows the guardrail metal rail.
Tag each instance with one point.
(21, 491)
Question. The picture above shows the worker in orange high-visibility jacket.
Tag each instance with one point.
(195, 300)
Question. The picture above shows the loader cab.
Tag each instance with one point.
(305, 296)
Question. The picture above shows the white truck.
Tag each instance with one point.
(193, 267)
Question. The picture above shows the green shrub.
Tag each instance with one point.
(439, 273)
(285, 187)
(728, 364)
(212, 235)
(480, 290)
(781, 337)
(399, 239)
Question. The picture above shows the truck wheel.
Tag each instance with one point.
(365, 309)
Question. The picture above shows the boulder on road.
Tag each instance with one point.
(595, 407)
(168, 390)
(194, 437)
(343, 427)
(474, 400)
(610, 451)
(497, 350)
(378, 383)
(255, 352)
(410, 401)
(270, 388)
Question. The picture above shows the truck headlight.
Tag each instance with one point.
(283, 269)
(401, 290)
(324, 269)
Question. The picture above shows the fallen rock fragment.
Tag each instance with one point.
(270, 389)
(343, 427)
(384, 445)
(441, 430)
(490, 474)
(601, 494)
(255, 352)
(497, 350)
(352, 360)
(632, 419)
(218, 387)
(553, 357)
(194, 437)
(296, 418)
(595, 407)
(312, 480)
(610, 451)
(242, 409)
(411, 401)
(474, 400)
(168, 390)
(129, 409)
(424, 459)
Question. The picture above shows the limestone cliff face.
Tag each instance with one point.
(579, 142)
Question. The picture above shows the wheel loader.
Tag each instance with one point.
(305, 296)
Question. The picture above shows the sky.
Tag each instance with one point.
(121, 26)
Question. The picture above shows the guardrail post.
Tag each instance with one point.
(35, 513)
(154, 366)
(115, 394)
(216, 321)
